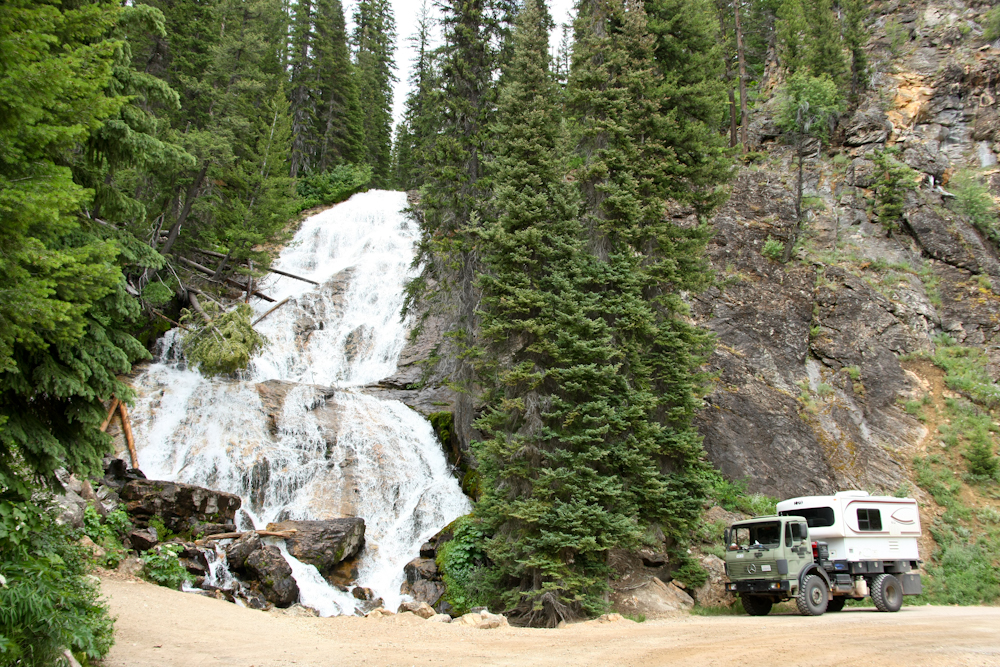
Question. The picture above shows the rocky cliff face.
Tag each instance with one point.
(809, 378)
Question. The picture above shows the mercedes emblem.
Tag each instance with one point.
(751, 568)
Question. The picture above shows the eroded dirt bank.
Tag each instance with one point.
(157, 626)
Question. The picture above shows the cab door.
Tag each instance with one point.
(798, 550)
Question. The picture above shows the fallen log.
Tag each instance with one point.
(219, 255)
(129, 440)
(274, 308)
(176, 324)
(236, 536)
(111, 414)
(210, 273)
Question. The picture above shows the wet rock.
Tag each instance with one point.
(323, 543)
(363, 593)
(177, 503)
(421, 609)
(255, 600)
(202, 529)
(344, 573)
(425, 591)
(272, 575)
(428, 550)
(238, 551)
(144, 539)
(420, 568)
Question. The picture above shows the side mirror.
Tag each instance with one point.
(725, 536)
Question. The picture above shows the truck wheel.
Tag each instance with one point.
(887, 593)
(812, 597)
(836, 604)
(756, 605)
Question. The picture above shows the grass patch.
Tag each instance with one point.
(736, 609)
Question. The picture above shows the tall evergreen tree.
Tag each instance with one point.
(687, 56)
(64, 309)
(375, 42)
(856, 38)
(415, 135)
(340, 127)
(302, 82)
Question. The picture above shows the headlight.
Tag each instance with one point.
(775, 585)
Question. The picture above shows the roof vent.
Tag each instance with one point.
(851, 494)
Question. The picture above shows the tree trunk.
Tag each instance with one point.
(729, 82)
(744, 114)
(800, 144)
(192, 193)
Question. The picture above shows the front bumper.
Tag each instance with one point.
(758, 586)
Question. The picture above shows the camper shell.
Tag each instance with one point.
(858, 527)
(824, 550)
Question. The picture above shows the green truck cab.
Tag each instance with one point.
(770, 559)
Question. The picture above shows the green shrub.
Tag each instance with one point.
(107, 533)
(961, 573)
(733, 496)
(465, 568)
(991, 25)
(334, 185)
(48, 603)
(773, 249)
(892, 180)
(161, 566)
(981, 460)
(966, 372)
(973, 201)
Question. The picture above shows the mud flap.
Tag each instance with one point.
(911, 584)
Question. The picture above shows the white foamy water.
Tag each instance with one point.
(317, 448)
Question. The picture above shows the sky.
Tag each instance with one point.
(406, 24)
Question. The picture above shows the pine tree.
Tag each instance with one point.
(64, 310)
(415, 135)
(856, 38)
(302, 85)
(686, 52)
(374, 40)
(476, 36)
(340, 127)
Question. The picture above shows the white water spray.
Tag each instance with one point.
(314, 446)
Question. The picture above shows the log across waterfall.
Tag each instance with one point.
(297, 438)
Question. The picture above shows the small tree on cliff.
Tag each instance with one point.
(809, 107)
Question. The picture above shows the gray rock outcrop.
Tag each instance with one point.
(324, 544)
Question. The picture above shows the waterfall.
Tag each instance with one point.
(296, 437)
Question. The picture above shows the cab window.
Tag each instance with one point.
(794, 533)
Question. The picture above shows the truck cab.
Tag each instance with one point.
(774, 558)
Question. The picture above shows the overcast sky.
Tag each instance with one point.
(406, 24)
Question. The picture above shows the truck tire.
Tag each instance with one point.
(812, 597)
(756, 605)
(836, 604)
(887, 593)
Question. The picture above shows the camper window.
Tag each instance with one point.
(869, 519)
(816, 517)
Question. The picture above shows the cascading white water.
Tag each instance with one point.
(328, 450)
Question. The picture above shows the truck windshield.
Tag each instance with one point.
(765, 535)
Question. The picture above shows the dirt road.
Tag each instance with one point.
(157, 626)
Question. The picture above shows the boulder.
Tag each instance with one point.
(323, 543)
(144, 539)
(379, 612)
(652, 599)
(176, 504)
(363, 593)
(238, 551)
(421, 609)
(482, 620)
(426, 591)
(95, 549)
(273, 576)
(713, 592)
(420, 568)
(440, 618)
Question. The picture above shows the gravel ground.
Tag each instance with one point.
(161, 627)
